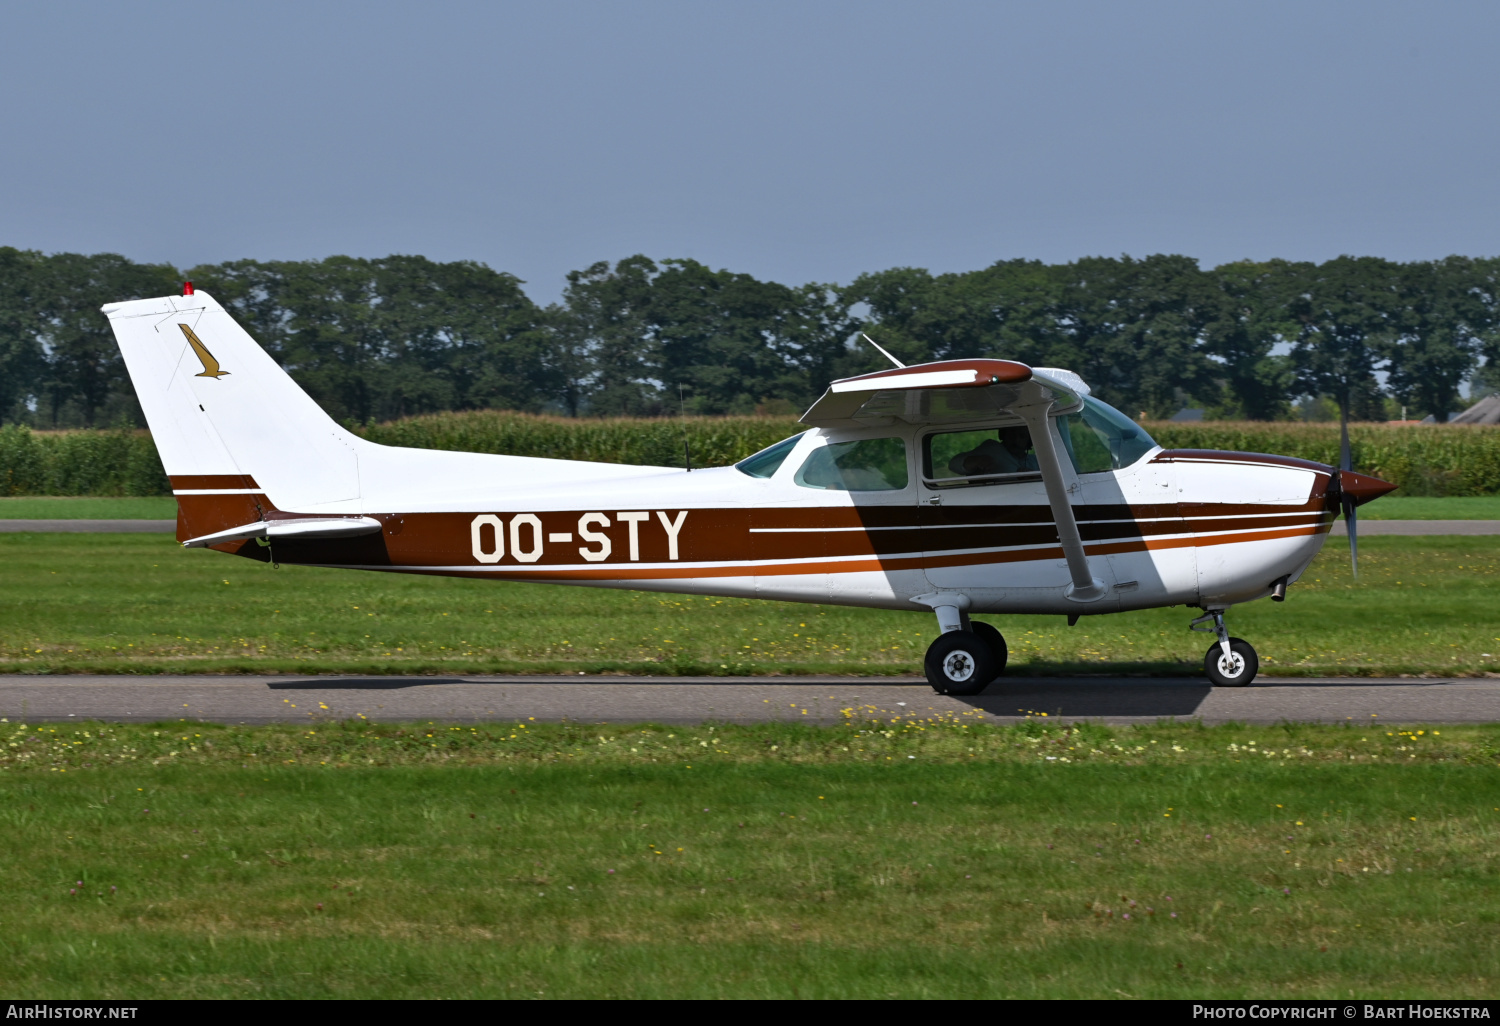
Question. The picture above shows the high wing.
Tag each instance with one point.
(945, 392)
(959, 391)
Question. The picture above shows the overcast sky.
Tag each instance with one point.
(804, 141)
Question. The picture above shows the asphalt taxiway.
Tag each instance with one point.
(598, 699)
(290, 698)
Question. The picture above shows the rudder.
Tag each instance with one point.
(237, 436)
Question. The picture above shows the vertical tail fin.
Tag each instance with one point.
(236, 434)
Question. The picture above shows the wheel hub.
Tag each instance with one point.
(1232, 665)
(958, 667)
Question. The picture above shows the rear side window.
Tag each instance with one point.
(868, 465)
(769, 460)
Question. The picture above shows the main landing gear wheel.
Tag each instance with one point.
(1232, 671)
(960, 663)
(993, 638)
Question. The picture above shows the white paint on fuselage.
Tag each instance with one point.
(1180, 568)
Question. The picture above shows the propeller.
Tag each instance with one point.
(1347, 501)
(1351, 490)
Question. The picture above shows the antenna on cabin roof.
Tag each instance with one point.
(883, 353)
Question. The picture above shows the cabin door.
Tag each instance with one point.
(983, 511)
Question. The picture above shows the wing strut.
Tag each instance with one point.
(1086, 587)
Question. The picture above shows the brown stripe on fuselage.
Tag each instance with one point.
(736, 542)
(1226, 456)
(769, 541)
(629, 572)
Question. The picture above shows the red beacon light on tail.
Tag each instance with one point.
(187, 288)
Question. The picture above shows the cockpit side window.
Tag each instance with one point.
(866, 465)
(769, 460)
(987, 456)
(1100, 438)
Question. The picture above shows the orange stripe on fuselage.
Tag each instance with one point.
(850, 566)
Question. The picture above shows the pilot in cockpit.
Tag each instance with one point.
(1010, 454)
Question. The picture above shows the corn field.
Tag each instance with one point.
(1422, 460)
(713, 441)
(1428, 460)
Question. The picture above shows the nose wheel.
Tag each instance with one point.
(1236, 669)
(1230, 662)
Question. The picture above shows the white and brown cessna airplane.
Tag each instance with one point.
(958, 487)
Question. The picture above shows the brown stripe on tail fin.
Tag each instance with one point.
(207, 503)
(195, 482)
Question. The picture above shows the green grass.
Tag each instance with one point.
(141, 604)
(88, 507)
(526, 860)
(1402, 507)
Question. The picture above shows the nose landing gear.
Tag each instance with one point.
(1231, 662)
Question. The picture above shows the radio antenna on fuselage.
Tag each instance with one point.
(883, 353)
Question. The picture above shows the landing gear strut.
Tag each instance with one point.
(1230, 662)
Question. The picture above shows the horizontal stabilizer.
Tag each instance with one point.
(306, 527)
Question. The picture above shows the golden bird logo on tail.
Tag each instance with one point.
(210, 365)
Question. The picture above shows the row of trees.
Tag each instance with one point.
(380, 339)
(1246, 339)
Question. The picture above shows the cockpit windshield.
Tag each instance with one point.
(1100, 438)
(769, 460)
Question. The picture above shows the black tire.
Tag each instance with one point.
(959, 663)
(993, 638)
(1241, 672)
